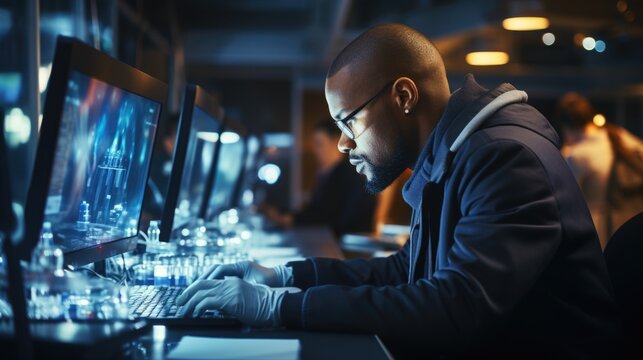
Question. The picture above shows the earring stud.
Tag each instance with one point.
(406, 111)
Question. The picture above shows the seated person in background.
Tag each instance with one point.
(391, 208)
(607, 162)
(339, 198)
(503, 259)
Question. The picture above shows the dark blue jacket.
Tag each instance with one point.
(503, 255)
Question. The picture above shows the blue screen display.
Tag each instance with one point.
(227, 172)
(101, 162)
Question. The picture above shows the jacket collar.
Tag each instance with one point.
(471, 101)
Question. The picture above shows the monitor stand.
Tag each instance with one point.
(99, 268)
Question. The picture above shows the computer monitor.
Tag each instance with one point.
(99, 123)
(194, 157)
(248, 177)
(228, 169)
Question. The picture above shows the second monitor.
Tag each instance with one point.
(228, 170)
(195, 154)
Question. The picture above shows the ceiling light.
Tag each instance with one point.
(208, 136)
(589, 43)
(269, 173)
(17, 127)
(229, 137)
(525, 23)
(549, 39)
(599, 120)
(486, 58)
(578, 39)
(600, 46)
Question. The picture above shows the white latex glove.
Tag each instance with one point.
(254, 305)
(252, 272)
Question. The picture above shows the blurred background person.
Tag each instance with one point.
(391, 207)
(339, 198)
(606, 160)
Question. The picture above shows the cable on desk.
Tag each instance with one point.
(92, 272)
(143, 235)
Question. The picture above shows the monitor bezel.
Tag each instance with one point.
(73, 55)
(229, 124)
(195, 96)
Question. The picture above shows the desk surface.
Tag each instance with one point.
(314, 345)
(101, 340)
(311, 241)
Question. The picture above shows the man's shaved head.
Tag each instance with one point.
(390, 51)
(403, 74)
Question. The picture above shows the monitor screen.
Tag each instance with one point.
(100, 163)
(252, 150)
(248, 177)
(227, 172)
(202, 141)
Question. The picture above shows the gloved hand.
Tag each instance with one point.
(254, 305)
(252, 272)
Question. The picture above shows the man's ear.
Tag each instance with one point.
(406, 94)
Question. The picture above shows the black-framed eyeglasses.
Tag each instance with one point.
(342, 124)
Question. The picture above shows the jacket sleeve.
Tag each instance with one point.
(507, 234)
(391, 270)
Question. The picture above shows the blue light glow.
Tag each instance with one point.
(600, 46)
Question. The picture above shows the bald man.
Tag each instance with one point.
(503, 258)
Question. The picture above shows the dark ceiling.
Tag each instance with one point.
(269, 36)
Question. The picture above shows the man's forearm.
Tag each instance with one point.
(392, 270)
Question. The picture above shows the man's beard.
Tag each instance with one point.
(384, 175)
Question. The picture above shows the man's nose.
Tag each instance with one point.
(345, 144)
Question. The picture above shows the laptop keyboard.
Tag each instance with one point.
(157, 302)
(149, 301)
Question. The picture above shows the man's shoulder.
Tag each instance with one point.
(519, 126)
(505, 138)
(507, 146)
